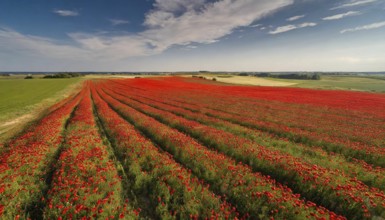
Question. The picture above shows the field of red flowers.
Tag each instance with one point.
(189, 148)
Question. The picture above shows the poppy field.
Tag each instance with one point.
(189, 148)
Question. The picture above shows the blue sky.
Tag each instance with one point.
(191, 35)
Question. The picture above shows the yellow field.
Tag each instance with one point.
(249, 80)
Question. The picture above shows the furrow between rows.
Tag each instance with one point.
(171, 190)
(313, 182)
(86, 183)
(25, 167)
(371, 154)
(252, 193)
(367, 174)
(351, 150)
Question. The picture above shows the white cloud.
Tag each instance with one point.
(349, 59)
(295, 18)
(116, 22)
(283, 29)
(66, 13)
(214, 20)
(173, 6)
(171, 22)
(365, 27)
(256, 25)
(291, 27)
(354, 3)
(38, 46)
(114, 47)
(191, 47)
(340, 16)
(309, 24)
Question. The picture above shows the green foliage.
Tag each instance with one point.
(316, 77)
(344, 82)
(307, 76)
(62, 75)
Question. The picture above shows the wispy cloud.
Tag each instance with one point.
(294, 18)
(169, 23)
(256, 25)
(308, 24)
(291, 27)
(354, 3)
(365, 27)
(191, 47)
(66, 13)
(283, 29)
(174, 23)
(215, 20)
(116, 22)
(38, 46)
(340, 16)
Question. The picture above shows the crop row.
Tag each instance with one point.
(27, 161)
(327, 187)
(225, 108)
(360, 170)
(85, 183)
(253, 194)
(175, 148)
(172, 191)
(293, 116)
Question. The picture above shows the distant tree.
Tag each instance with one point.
(301, 76)
(316, 76)
(28, 77)
(62, 75)
(263, 74)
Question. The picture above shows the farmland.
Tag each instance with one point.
(16, 93)
(355, 83)
(329, 82)
(189, 148)
(22, 100)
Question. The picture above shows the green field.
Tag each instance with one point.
(19, 97)
(359, 83)
(368, 83)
